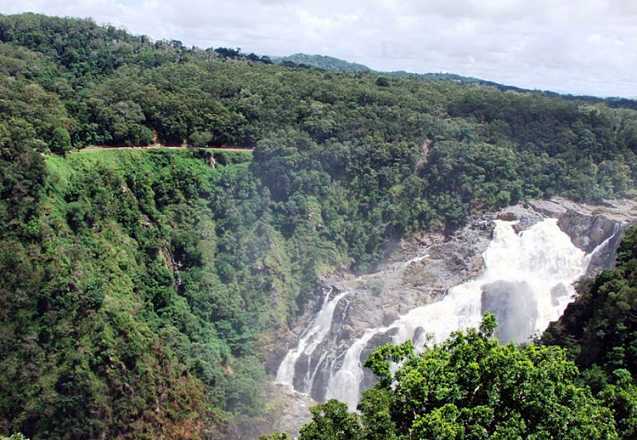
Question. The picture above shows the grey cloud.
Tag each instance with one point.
(579, 47)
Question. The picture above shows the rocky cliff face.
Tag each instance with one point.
(588, 226)
(420, 271)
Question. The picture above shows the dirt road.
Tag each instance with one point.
(159, 146)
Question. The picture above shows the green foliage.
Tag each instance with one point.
(331, 421)
(200, 138)
(276, 436)
(496, 147)
(86, 351)
(379, 361)
(472, 386)
(321, 62)
(381, 81)
(151, 276)
(620, 395)
(134, 285)
(60, 140)
(599, 330)
(466, 176)
(14, 437)
(600, 327)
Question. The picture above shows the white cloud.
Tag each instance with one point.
(579, 47)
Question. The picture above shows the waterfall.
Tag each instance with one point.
(527, 283)
(617, 228)
(345, 384)
(309, 341)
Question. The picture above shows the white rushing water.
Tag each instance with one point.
(527, 282)
(309, 341)
(528, 276)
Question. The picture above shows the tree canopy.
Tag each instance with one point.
(137, 288)
(469, 387)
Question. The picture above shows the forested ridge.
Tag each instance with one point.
(320, 61)
(137, 287)
(337, 65)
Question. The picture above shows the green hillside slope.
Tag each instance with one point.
(138, 288)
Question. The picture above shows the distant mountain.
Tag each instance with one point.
(338, 65)
(321, 62)
(443, 76)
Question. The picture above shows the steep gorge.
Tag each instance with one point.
(141, 289)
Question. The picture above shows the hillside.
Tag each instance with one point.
(138, 287)
(321, 62)
(338, 65)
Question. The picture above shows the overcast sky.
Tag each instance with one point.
(575, 46)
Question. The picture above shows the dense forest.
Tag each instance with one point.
(136, 287)
(337, 65)
(321, 62)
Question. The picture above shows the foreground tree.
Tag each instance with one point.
(599, 331)
(469, 387)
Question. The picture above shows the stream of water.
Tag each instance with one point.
(308, 342)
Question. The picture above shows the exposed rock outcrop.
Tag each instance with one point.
(591, 227)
